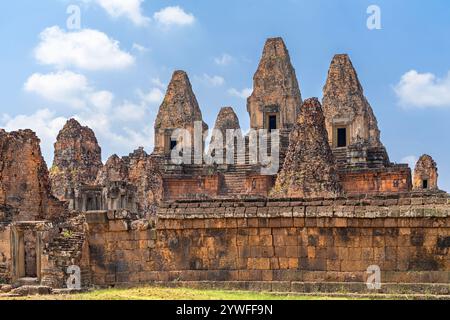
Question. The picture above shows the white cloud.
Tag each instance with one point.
(154, 96)
(85, 49)
(119, 126)
(243, 94)
(44, 122)
(211, 81)
(174, 16)
(157, 82)
(69, 88)
(423, 90)
(101, 100)
(63, 87)
(129, 111)
(410, 160)
(130, 9)
(224, 60)
(140, 48)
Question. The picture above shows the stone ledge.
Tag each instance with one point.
(414, 205)
(368, 212)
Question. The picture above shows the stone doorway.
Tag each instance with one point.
(26, 251)
(341, 137)
(272, 121)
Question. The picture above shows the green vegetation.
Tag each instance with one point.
(67, 233)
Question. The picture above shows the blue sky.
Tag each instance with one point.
(126, 51)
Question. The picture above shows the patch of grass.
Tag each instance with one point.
(155, 293)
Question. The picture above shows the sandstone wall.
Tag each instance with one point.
(318, 241)
(382, 180)
(191, 187)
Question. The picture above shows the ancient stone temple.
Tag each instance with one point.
(334, 206)
(309, 170)
(77, 158)
(425, 174)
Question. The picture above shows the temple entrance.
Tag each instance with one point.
(424, 184)
(272, 123)
(341, 137)
(173, 144)
(26, 250)
(272, 120)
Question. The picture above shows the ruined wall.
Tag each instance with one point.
(65, 246)
(24, 181)
(318, 241)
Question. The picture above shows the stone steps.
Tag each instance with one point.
(234, 183)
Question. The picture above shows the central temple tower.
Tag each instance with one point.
(276, 98)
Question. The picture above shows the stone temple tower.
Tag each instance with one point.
(179, 110)
(226, 120)
(276, 98)
(351, 124)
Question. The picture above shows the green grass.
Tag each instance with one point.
(153, 293)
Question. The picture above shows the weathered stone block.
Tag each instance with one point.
(118, 225)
